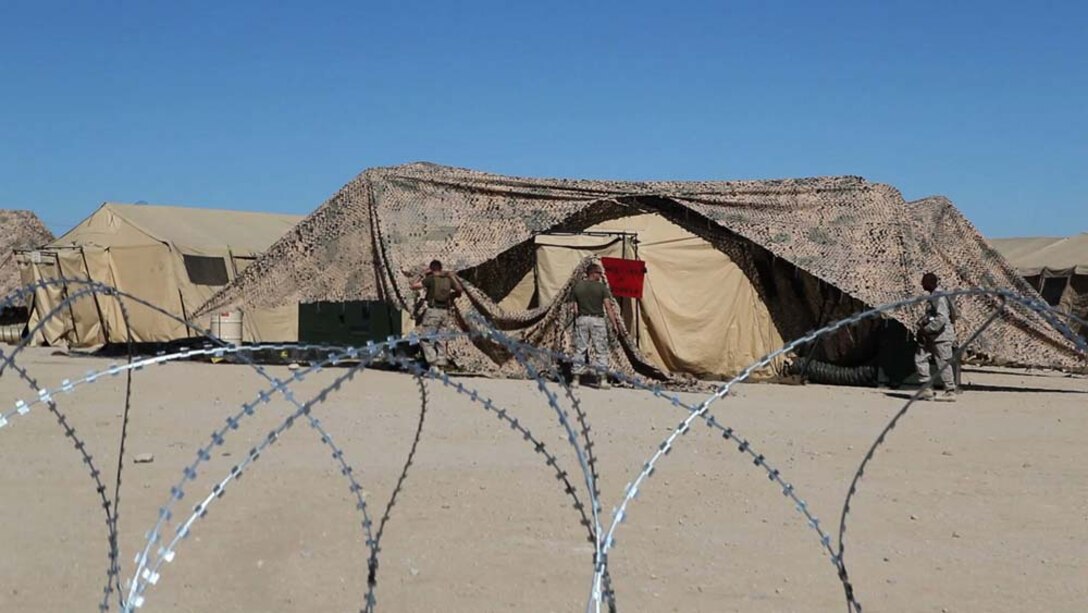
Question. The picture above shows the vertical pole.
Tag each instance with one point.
(638, 301)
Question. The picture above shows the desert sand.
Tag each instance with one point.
(981, 505)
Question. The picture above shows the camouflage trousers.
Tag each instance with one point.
(942, 351)
(434, 321)
(590, 332)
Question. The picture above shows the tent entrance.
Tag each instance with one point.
(701, 313)
(556, 254)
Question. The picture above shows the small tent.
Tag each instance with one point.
(172, 257)
(1056, 267)
(806, 252)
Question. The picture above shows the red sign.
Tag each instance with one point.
(625, 277)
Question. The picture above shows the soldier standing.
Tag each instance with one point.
(936, 334)
(441, 288)
(592, 300)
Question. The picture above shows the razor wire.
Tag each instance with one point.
(609, 594)
(372, 575)
(94, 288)
(114, 572)
(503, 414)
(518, 350)
(519, 354)
(852, 604)
(728, 433)
(68, 386)
(111, 508)
(151, 571)
(148, 570)
(632, 489)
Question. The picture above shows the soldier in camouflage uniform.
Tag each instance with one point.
(441, 288)
(592, 300)
(936, 334)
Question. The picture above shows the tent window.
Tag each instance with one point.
(204, 270)
(1053, 288)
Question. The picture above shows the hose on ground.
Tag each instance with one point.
(832, 374)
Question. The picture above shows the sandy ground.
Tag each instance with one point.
(977, 506)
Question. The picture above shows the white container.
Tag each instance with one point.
(227, 327)
(11, 333)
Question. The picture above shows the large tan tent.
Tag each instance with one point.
(786, 255)
(172, 257)
(1056, 267)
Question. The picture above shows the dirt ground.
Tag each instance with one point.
(980, 505)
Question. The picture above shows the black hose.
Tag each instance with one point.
(831, 374)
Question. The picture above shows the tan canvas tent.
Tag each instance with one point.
(812, 250)
(173, 257)
(699, 314)
(1057, 267)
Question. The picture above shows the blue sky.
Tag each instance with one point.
(274, 106)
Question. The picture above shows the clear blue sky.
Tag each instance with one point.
(275, 105)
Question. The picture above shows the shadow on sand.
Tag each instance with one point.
(994, 388)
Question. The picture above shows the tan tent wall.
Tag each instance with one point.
(110, 248)
(521, 296)
(86, 323)
(153, 273)
(1041, 260)
(699, 312)
(46, 299)
(268, 324)
(558, 255)
(1062, 256)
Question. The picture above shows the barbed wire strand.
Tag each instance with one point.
(601, 591)
(564, 420)
(372, 577)
(113, 572)
(663, 449)
(852, 605)
(148, 570)
(95, 288)
(503, 414)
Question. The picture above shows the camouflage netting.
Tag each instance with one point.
(858, 237)
(955, 250)
(18, 230)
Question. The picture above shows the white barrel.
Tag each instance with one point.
(227, 326)
(11, 333)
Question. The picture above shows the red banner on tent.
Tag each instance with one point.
(625, 277)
